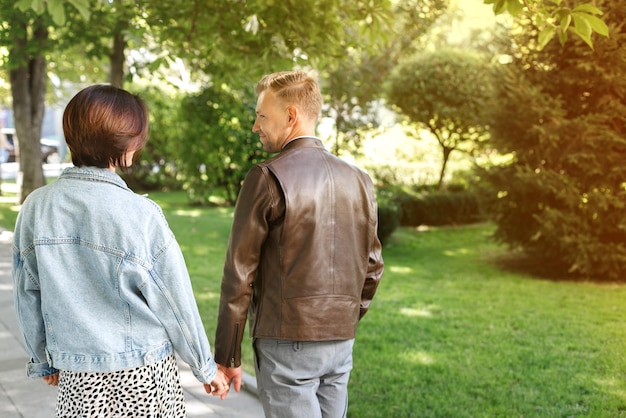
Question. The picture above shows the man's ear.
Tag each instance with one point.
(292, 114)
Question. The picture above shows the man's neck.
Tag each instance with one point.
(290, 140)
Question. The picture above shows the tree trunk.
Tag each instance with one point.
(116, 59)
(338, 128)
(28, 88)
(118, 50)
(444, 163)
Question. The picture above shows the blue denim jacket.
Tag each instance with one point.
(100, 283)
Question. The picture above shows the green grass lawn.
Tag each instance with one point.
(451, 333)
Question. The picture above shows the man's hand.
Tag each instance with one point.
(233, 375)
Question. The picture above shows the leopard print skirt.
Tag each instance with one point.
(152, 391)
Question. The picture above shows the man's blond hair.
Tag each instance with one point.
(297, 88)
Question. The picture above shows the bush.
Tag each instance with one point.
(388, 219)
(439, 208)
(218, 147)
(157, 167)
(561, 197)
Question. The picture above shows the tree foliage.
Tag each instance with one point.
(221, 41)
(55, 9)
(27, 38)
(157, 167)
(240, 41)
(449, 92)
(354, 82)
(218, 147)
(230, 42)
(562, 198)
(556, 18)
(201, 142)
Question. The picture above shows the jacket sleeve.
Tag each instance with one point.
(27, 296)
(375, 264)
(252, 216)
(170, 297)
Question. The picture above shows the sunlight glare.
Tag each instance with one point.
(454, 253)
(423, 312)
(400, 270)
(420, 357)
(207, 296)
(611, 386)
(193, 213)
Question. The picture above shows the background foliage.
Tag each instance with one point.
(562, 196)
(560, 142)
(218, 147)
(449, 92)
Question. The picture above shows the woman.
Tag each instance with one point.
(102, 292)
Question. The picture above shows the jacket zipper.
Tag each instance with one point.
(234, 345)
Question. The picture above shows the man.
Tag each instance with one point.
(304, 259)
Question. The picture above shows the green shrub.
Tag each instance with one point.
(219, 147)
(157, 167)
(388, 219)
(439, 208)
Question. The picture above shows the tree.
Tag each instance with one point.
(243, 40)
(562, 196)
(448, 92)
(119, 27)
(28, 34)
(158, 168)
(228, 42)
(354, 83)
(556, 17)
(220, 119)
(223, 40)
(27, 38)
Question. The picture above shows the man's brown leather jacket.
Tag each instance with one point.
(304, 259)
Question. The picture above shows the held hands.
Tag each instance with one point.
(219, 386)
(224, 377)
(233, 374)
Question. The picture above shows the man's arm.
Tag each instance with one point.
(248, 233)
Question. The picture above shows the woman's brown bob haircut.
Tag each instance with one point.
(102, 123)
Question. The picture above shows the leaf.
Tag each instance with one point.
(23, 5)
(581, 24)
(82, 6)
(565, 22)
(37, 5)
(587, 39)
(598, 25)
(514, 7)
(57, 11)
(587, 8)
(546, 35)
(499, 6)
(582, 28)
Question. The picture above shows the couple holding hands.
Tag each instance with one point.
(104, 299)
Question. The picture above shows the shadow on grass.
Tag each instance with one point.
(521, 263)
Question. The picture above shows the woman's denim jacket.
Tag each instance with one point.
(100, 283)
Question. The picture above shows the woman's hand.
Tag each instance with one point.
(219, 386)
(52, 380)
